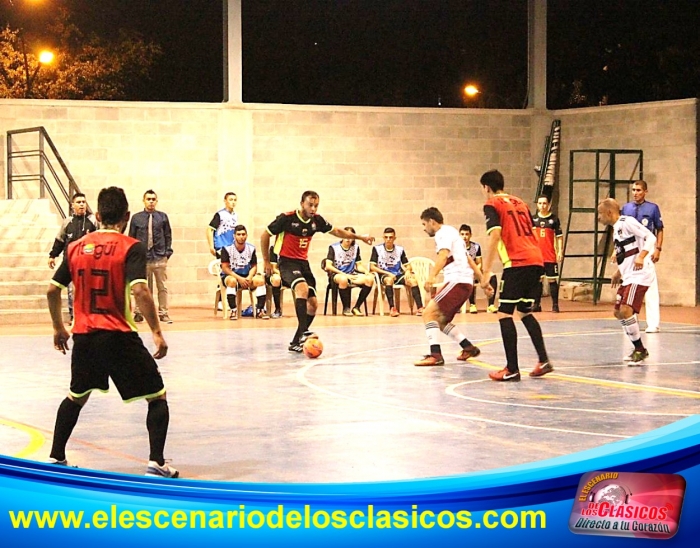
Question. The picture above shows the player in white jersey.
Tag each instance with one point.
(634, 246)
(458, 270)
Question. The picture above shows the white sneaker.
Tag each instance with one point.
(63, 462)
(165, 471)
(652, 330)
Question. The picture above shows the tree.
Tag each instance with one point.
(85, 67)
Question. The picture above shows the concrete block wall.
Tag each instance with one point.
(666, 132)
(373, 167)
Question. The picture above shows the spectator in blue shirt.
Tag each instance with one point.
(649, 214)
(153, 229)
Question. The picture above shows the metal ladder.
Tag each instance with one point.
(594, 174)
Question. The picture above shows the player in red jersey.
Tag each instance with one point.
(550, 239)
(509, 229)
(104, 267)
(294, 231)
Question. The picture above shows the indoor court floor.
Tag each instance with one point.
(243, 408)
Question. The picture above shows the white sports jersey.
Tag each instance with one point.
(457, 268)
(630, 239)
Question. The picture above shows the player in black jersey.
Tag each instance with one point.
(294, 231)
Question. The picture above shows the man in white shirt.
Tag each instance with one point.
(458, 270)
(634, 246)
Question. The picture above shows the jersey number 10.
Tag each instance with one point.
(521, 220)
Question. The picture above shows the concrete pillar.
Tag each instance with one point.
(233, 52)
(537, 54)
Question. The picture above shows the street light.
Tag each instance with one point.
(46, 57)
(471, 90)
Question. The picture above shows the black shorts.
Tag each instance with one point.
(520, 286)
(551, 271)
(122, 356)
(294, 271)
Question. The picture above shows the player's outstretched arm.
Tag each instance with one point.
(346, 234)
(144, 300)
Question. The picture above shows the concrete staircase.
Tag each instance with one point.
(27, 231)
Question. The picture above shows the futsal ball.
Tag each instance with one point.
(313, 348)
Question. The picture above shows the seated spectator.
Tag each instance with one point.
(344, 264)
(390, 262)
(239, 269)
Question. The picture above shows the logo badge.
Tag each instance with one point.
(628, 504)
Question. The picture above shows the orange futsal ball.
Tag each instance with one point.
(313, 348)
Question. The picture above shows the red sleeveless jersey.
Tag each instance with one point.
(103, 265)
(518, 245)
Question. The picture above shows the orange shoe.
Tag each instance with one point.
(430, 360)
(504, 375)
(468, 352)
(542, 369)
(394, 313)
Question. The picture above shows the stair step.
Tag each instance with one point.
(25, 260)
(38, 274)
(28, 228)
(24, 317)
(29, 232)
(24, 288)
(26, 205)
(23, 302)
(19, 247)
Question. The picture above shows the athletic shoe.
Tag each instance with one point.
(357, 312)
(393, 313)
(468, 352)
(306, 336)
(165, 318)
(277, 314)
(347, 312)
(296, 347)
(504, 375)
(430, 360)
(536, 308)
(261, 315)
(492, 308)
(419, 312)
(652, 330)
(63, 462)
(542, 369)
(138, 317)
(555, 308)
(165, 471)
(636, 357)
(233, 315)
(472, 309)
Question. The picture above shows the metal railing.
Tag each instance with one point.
(59, 186)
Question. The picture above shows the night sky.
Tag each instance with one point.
(407, 52)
